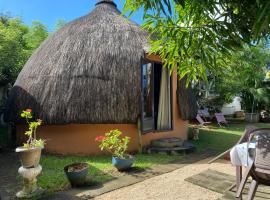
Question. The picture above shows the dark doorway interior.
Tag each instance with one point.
(151, 88)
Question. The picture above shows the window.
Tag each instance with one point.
(156, 88)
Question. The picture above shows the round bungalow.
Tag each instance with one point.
(92, 76)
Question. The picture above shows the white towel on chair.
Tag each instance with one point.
(239, 154)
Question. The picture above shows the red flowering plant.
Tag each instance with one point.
(32, 141)
(114, 144)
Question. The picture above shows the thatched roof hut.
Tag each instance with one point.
(87, 72)
(94, 75)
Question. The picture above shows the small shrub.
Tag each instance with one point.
(112, 143)
(31, 133)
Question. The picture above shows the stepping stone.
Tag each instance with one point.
(167, 142)
(212, 180)
(187, 147)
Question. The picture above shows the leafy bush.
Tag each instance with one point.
(112, 143)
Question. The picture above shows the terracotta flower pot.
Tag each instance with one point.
(29, 157)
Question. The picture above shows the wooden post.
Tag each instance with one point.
(252, 189)
(140, 144)
(238, 178)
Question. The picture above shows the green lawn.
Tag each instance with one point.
(101, 170)
(222, 138)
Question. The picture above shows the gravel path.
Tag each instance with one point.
(171, 186)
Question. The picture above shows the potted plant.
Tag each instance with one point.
(30, 152)
(76, 173)
(117, 146)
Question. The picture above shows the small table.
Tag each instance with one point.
(242, 155)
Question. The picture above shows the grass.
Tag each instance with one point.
(222, 138)
(101, 170)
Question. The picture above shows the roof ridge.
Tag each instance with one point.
(106, 2)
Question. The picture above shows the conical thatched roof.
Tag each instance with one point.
(87, 72)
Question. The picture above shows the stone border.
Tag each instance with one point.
(136, 177)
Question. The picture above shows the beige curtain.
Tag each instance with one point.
(164, 107)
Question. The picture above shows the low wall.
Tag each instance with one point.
(80, 139)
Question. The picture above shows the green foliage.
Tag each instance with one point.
(267, 76)
(244, 77)
(17, 43)
(112, 143)
(12, 49)
(39, 143)
(31, 133)
(27, 114)
(34, 125)
(37, 33)
(59, 24)
(198, 36)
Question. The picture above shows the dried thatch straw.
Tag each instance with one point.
(87, 72)
(186, 100)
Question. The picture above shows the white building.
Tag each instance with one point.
(231, 108)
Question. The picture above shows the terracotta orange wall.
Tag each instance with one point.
(79, 139)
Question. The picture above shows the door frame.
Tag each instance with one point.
(153, 130)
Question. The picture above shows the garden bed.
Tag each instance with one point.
(101, 170)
